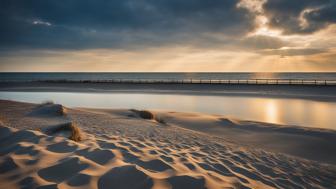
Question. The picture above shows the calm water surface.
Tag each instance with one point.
(274, 110)
(162, 76)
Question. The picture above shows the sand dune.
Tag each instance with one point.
(309, 143)
(121, 150)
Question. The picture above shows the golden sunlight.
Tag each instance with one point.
(271, 112)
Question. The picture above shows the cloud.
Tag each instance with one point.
(293, 51)
(85, 24)
(300, 16)
(163, 59)
(40, 22)
(263, 42)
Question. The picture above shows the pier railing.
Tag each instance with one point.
(204, 81)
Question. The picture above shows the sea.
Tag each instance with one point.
(97, 76)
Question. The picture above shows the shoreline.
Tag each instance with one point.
(317, 93)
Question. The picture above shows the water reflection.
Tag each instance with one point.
(271, 111)
(283, 111)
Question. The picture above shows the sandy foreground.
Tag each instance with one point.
(119, 149)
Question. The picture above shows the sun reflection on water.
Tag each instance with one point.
(271, 112)
(286, 111)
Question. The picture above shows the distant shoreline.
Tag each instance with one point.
(165, 76)
(260, 81)
(310, 92)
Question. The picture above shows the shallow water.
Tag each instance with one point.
(273, 110)
(164, 76)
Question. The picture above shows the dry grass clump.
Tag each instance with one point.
(61, 110)
(75, 133)
(49, 108)
(72, 128)
(145, 114)
(1, 120)
(47, 102)
(1, 123)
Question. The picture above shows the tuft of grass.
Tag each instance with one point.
(75, 132)
(47, 102)
(1, 122)
(51, 106)
(144, 114)
(62, 110)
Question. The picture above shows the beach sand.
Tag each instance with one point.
(119, 149)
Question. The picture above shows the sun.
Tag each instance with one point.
(263, 28)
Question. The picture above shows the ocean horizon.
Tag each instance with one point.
(97, 76)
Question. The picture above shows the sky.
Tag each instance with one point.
(168, 36)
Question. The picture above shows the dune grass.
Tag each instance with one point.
(145, 114)
(62, 111)
(47, 102)
(75, 132)
(49, 105)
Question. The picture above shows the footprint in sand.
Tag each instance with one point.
(155, 165)
(125, 177)
(79, 180)
(62, 147)
(27, 183)
(8, 165)
(182, 182)
(56, 172)
(97, 155)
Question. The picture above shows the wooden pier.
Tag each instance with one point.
(204, 81)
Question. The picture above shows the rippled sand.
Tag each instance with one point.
(120, 150)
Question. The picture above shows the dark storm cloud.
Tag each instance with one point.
(77, 24)
(300, 16)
